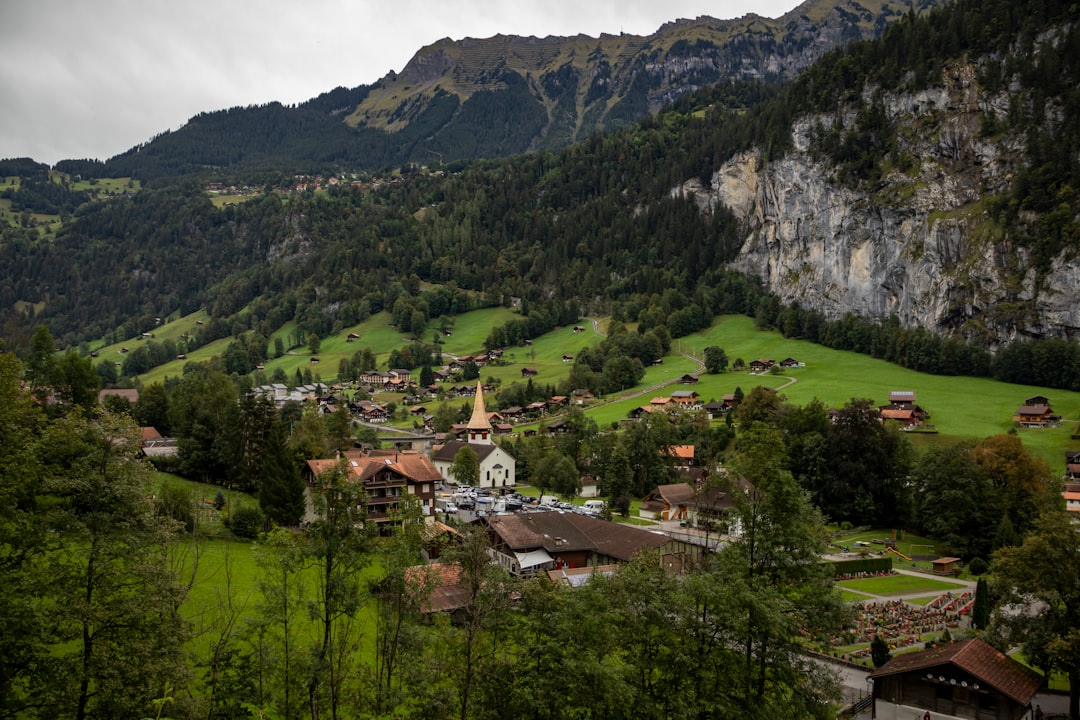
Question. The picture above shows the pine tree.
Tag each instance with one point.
(980, 613)
(281, 490)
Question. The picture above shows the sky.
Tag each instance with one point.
(93, 78)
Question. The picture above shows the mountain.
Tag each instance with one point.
(499, 96)
(910, 197)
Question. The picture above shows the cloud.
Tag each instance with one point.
(93, 79)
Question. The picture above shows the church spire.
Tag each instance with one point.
(479, 425)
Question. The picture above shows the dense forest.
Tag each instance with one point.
(594, 224)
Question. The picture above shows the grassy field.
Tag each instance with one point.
(960, 407)
(894, 585)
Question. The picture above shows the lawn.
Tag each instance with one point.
(835, 377)
(894, 585)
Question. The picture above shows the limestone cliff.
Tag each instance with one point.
(921, 244)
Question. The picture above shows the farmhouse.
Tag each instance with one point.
(1035, 413)
(967, 679)
(497, 467)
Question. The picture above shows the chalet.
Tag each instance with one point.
(968, 679)
(529, 372)
(352, 337)
(681, 456)
(497, 466)
(904, 416)
(1072, 465)
(1037, 400)
(526, 544)
(582, 396)
(567, 358)
(686, 399)
(669, 502)
(660, 402)
(790, 362)
(418, 411)
(1035, 416)
(902, 397)
(579, 329)
(557, 427)
(715, 409)
(688, 379)
(314, 360)
(761, 365)
(1071, 494)
(558, 401)
(386, 476)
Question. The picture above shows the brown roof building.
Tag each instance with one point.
(528, 543)
(969, 679)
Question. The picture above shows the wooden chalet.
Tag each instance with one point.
(529, 372)
(1035, 416)
(968, 679)
(902, 397)
(761, 365)
(582, 396)
(387, 477)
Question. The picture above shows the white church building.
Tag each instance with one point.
(496, 465)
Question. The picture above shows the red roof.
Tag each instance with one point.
(977, 658)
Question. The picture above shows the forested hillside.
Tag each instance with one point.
(597, 223)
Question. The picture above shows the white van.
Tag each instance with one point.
(548, 499)
(595, 506)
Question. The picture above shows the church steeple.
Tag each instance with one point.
(479, 425)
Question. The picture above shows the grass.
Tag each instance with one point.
(894, 585)
(835, 377)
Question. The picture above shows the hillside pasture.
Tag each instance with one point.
(960, 407)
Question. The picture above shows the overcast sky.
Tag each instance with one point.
(93, 78)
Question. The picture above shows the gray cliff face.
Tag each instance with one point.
(921, 247)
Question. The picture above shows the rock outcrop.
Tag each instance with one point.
(921, 245)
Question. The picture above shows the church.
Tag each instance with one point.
(496, 465)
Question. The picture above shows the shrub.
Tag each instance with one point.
(978, 566)
(246, 522)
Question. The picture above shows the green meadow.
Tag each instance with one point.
(960, 407)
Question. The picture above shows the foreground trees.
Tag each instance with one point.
(1044, 571)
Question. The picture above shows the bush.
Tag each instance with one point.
(978, 566)
(175, 502)
(246, 522)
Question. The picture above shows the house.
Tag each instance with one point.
(669, 502)
(681, 456)
(582, 396)
(688, 379)
(1072, 497)
(1035, 416)
(529, 372)
(904, 416)
(902, 397)
(528, 543)
(567, 358)
(497, 466)
(1072, 464)
(968, 679)
(790, 362)
(686, 399)
(761, 365)
(386, 475)
(715, 409)
(352, 337)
